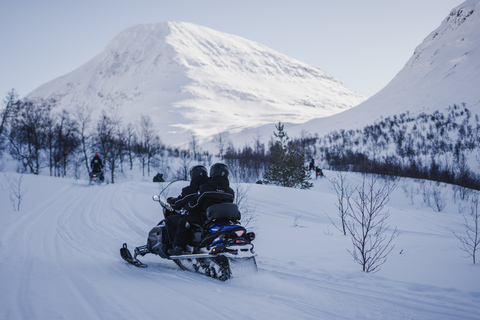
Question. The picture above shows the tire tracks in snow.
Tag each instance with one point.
(376, 301)
(39, 251)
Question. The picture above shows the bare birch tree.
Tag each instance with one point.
(194, 145)
(220, 141)
(84, 118)
(367, 225)
(343, 192)
(249, 216)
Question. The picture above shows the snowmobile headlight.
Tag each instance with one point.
(250, 236)
(239, 233)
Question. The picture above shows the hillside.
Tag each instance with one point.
(186, 77)
(61, 258)
(444, 70)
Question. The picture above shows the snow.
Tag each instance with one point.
(61, 250)
(61, 258)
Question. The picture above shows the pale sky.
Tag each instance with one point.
(364, 44)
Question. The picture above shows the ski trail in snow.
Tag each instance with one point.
(63, 262)
(42, 252)
(381, 301)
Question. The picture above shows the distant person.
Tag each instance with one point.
(158, 178)
(97, 165)
(312, 164)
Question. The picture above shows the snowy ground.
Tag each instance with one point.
(61, 259)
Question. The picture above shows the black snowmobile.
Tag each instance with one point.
(219, 249)
(96, 177)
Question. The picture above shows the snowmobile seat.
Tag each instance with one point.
(223, 212)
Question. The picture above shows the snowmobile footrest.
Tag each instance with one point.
(142, 250)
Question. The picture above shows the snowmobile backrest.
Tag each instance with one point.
(223, 211)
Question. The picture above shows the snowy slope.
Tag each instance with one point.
(188, 77)
(444, 70)
(61, 259)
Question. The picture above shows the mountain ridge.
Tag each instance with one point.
(444, 70)
(187, 77)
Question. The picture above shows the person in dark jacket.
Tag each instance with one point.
(215, 190)
(97, 165)
(175, 223)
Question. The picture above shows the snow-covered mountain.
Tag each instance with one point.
(444, 70)
(191, 79)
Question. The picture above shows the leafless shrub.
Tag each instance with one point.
(343, 192)
(220, 141)
(470, 241)
(437, 200)
(185, 164)
(367, 225)
(296, 223)
(16, 191)
(460, 192)
(249, 216)
(410, 191)
(425, 193)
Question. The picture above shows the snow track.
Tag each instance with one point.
(61, 260)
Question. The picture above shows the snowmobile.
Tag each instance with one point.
(96, 177)
(221, 248)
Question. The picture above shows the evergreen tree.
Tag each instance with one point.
(287, 166)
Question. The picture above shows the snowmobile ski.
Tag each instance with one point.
(127, 256)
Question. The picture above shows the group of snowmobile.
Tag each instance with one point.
(217, 246)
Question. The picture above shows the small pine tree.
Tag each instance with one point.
(287, 166)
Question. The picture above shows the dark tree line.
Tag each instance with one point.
(39, 136)
(283, 163)
(248, 163)
(437, 146)
(62, 143)
(30, 131)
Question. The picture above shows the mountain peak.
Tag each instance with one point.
(188, 77)
(444, 68)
